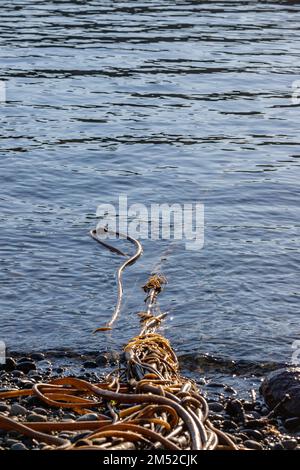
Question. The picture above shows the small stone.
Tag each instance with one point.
(253, 433)
(26, 366)
(290, 444)
(90, 364)
(40, 411)
(18, 446)
(24, 359)
(282, 387)
(17, 373)
(106, 358)
(4, 407)
(34, 418)
(37, 356)
(83, 442)
(277, 446)
(216, 407)
(68, 415)
(27, 384)
(253, 445)
(17, 409)
(88, 417)
(236, 409)
(34, 401)
(253, 415)
(9, 441)
(10, 364)
(80, 436)
(292, 424)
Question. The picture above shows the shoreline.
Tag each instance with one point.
(240, 413)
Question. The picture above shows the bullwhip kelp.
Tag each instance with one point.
(145, 403)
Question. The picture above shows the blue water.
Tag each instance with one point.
(174, 101)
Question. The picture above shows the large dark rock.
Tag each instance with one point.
(280, 384)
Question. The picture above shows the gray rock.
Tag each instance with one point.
(292, 424)
(18, 446)
(40, 411)
(280, 384)
(253, 445)
(4, 407)
(216, 407)
(17, 409)
(9, 441)
(10, 364)
(106, 358)
(34, 418)
(37, 356)
(88, 417)
(290, 444)
(26, 366)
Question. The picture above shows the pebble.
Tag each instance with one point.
(216, 407)
(40, 411)
(17, 373)
(68, 415)
(34, 418)
(23, 383)
(236, 409)
(80, 436)
(253, 433)
(88, 417)
(277, 446)
(279, 384)
(292, 424)
(253, 445)
(9, 442)
(17, 409)
(290, 444)
(24, 359)
(26, 366)
(10, 364)
(105, 358)
(37, 356)
(4, 407)
(18, 446)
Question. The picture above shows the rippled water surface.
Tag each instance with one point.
(173, 101)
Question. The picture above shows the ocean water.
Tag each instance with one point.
(166, 102)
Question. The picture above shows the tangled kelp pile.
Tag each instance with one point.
(143, 404)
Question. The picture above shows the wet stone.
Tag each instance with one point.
(88, 417)
(253, 433)
(17, 410)
(18, 446)
(253, 445)
(37, 356)
(34, 418)
(10, 364)
(290, 444)
(280, 384)
(216, 407)
(40, 411)
(4, 407)
(292, 424)
(26, 366)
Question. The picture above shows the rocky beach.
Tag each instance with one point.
(245, 416)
